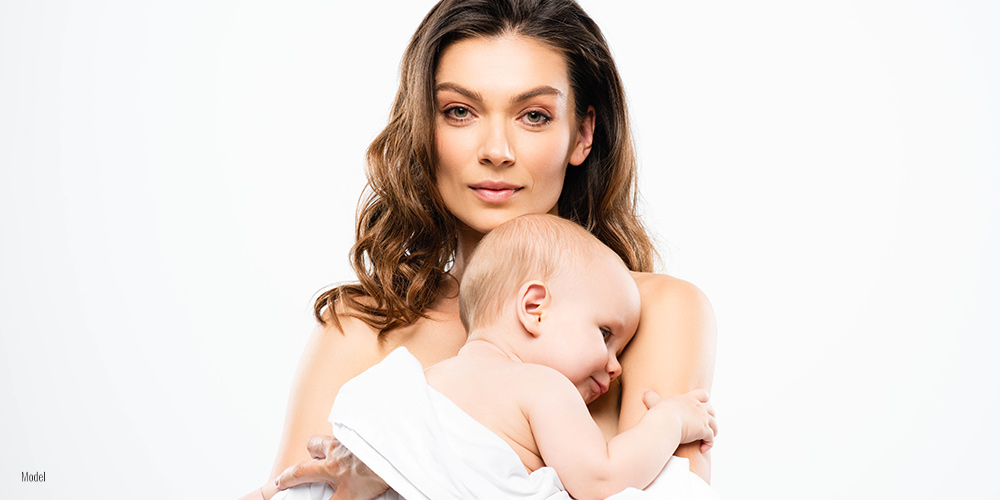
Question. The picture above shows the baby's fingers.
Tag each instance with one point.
(700, 395)
(650, 398)
(708, 440)
(709, 408)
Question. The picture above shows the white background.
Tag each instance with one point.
(178, 179)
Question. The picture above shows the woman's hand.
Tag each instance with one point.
(332, 463)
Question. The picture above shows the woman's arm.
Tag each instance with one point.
(331, 358)
(673, 352)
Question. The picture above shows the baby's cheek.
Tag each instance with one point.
(601, 356)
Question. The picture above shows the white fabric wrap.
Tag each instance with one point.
(426, 448)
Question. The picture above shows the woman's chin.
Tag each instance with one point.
(488, 220)
(484, 223)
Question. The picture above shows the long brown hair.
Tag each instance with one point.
(406, 238)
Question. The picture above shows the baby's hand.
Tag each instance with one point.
(695, 415)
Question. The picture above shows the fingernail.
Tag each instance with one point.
(276, 481)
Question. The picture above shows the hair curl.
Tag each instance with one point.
(405, 237)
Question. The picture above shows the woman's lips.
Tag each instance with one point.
(495, 192)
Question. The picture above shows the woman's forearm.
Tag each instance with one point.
(268, 490)
(255, 495)
(700, 463)
(639, 454)
(673, 352)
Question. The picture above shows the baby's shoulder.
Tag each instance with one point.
(541, 384)
(536, 374)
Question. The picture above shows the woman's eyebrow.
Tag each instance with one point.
(537, 91)
(476, 96)
(471, 94)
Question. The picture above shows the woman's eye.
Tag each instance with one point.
(536, 118)
(458, 112)
(606, 333)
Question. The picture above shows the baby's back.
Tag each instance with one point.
(493, 391)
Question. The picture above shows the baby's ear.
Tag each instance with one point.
(533, 299)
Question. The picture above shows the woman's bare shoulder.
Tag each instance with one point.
(675, 343)
(659, 288)
(672, 304)
(340, 346)
(343, 327)
(332, 356)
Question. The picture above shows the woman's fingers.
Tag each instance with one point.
(323, 468)
(320, 446)
(313, 471)
(310, 471)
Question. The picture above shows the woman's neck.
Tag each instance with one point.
(447, 301)
(468, 239)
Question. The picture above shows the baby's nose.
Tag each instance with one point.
(614, 367)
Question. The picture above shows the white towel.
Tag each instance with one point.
(426, 448)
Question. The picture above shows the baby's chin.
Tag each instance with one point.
(588, 395)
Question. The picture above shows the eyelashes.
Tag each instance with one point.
(458, 113)
(536, 118)
(533, 118)
(606, 333)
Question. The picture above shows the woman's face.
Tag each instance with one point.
(505, 129)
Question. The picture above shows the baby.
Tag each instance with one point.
(548, 309)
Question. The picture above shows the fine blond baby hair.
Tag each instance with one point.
(529, 247)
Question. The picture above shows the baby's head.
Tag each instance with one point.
(565, 299)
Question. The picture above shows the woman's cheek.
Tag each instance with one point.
(449, 151)
(450, 146)
(548, 159)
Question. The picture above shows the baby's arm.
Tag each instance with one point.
(590, 467)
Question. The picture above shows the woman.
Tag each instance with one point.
(505, 107)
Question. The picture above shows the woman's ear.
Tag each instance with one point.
(533, 301)
(584, 138)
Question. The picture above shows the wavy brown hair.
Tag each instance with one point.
(405, 237)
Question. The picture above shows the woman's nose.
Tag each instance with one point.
(496, 149)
